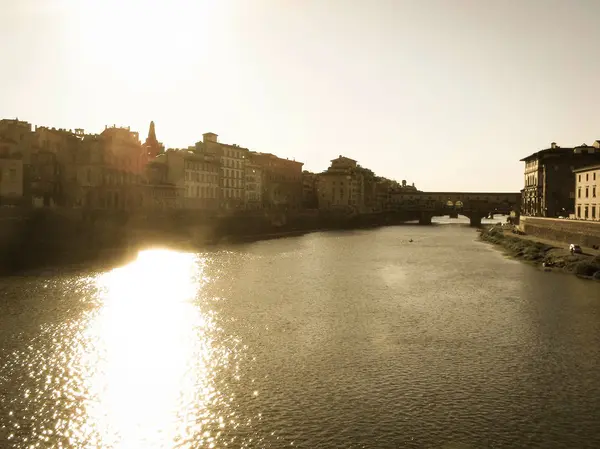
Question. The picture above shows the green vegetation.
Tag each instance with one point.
(579, 264)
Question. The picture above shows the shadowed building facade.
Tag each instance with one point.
(282, 181)
(549, 189)
(254, 185)
(341, 186)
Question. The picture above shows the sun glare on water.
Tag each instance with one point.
(150, 347)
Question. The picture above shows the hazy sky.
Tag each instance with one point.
(448, 94)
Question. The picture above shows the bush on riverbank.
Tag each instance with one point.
(529, 250)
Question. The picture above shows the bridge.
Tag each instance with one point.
(477, 205)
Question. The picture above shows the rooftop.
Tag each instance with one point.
(588, 168)
(342, 157)
(551, 150)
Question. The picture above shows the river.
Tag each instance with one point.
(329, 340)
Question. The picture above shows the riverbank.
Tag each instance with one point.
(545, 254)
(32, 240)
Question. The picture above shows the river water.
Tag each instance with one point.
(329, 340)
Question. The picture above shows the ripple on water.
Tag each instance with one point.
(328, 340)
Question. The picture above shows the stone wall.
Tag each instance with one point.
(32, 238)
(585, 233)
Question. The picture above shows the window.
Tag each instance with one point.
(578, 211)
(587, 176)
(587, 190)
(586, 212)
(594, 191)
(594, 212)
(579, 192)
(579, 178)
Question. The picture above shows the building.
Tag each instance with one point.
(282, 181)
(8, 148)
(549, 186)
(369, 189)
(44, 178)
(232, 159)
(587, 193)
(160, 194)
(310, 182)
(342, 186)
(253, 186)
(113, 166)
(197, 174)
(64, 147)
(19, 132)
(11, 180)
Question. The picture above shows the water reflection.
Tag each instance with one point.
(147, 351)
(144, 366)
(353, 339)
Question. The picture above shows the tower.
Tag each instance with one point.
(152, 145)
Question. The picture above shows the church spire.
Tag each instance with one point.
(151, 134)
(153, 146)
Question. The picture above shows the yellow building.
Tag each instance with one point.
(587, 193)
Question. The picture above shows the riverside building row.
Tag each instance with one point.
(49, 167)
(563, 182)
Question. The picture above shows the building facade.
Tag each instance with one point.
(64, 147)
(310, 182)
(254, 186)
(232, 160)
(282, 181)
(587, 193)
(44, 178)
(20, 133)
(113, 167)
(549, 188)
(197, 174)
(160, 194)
(342, 186)
(11, 181)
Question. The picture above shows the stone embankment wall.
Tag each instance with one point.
(31, 238)
(585, 233)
